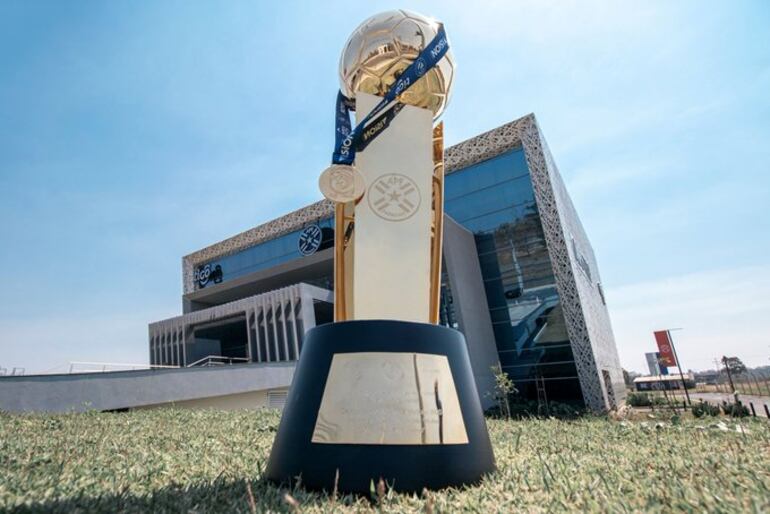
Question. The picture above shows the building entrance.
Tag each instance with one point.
(224, 341)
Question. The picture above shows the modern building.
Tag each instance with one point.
(520, 280)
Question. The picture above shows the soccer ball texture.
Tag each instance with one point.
(382, 47)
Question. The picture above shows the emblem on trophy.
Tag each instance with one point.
(384, 391)
(394, 197)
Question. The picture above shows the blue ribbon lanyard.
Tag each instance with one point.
(348, 142)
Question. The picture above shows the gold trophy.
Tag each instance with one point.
(385, 392)
(374, 57)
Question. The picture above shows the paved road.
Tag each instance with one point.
(758, 401)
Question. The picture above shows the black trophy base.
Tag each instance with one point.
(404, 467)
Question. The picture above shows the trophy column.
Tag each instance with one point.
(344, 244)
(392, 259)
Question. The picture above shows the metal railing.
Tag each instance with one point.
(16, 371)
(104, 367)
(217, 360)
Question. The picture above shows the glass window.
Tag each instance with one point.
(495, 200)
(270, 253)
(487, 173)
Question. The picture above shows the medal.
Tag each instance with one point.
(341, 183)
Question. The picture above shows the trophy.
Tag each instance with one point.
(385, 392)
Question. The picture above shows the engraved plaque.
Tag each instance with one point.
(389, 398)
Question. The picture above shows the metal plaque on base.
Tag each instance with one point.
(390, 398)
(405, 457)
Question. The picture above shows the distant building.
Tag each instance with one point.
(710, 377)
(663, 382)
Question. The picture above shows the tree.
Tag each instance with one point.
(734, 365)
(504, 387)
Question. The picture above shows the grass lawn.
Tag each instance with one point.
(204, 461)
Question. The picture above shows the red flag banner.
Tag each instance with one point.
(663, 338)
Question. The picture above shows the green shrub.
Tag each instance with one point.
(639, 400)
(564, 410)
(736, 410)
(521, 408)
(504, 388)
(701, 409)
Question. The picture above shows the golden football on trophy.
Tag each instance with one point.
(382, 47)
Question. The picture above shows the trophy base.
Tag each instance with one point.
(382, 399)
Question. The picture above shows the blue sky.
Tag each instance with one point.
(132, 133)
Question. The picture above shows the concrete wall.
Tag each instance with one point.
(131, 389)
(471, 308)
(251, 400)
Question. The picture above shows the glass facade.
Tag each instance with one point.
(494, 199)
(268, 254)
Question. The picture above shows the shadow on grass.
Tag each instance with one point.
(221, 495)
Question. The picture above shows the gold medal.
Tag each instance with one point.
(341, 183)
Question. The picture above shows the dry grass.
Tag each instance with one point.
(209, 461)
(756, 388)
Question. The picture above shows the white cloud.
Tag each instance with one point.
(721, 311)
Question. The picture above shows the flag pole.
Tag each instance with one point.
(678, 364)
